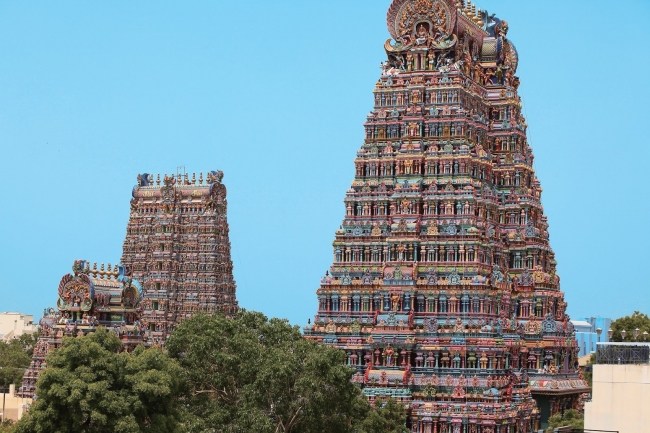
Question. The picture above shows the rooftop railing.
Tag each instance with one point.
(622, 353)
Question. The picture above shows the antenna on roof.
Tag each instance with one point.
(180, 171)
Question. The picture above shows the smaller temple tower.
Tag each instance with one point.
(90, 297)
(177, 247)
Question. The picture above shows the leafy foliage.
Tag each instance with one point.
(89, 387)
(630, 323)
(7, 426)
(15, 356)
(571, 417)
(221, 375)
(387, 417)
(588, 371)
(254, 374)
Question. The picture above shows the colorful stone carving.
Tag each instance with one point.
(445, 227)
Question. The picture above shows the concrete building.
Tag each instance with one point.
(11, 406)
(621, 389)
(13, 325)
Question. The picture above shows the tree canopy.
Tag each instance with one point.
(216, 374)
(90, 386)
(637, 320)
(254, 374)
(15, 356)
(570, 417)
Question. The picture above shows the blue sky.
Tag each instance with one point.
(275, 95)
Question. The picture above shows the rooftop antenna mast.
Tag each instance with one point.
(180, 172)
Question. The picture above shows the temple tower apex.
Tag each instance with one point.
(177, 247)
(443, 290)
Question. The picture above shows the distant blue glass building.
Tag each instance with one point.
(587, 335)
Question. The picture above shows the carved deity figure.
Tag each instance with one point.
(471, 360)
(488, 76)
(422, 35)
(400, 251)
(394, 299)
(483, 361)
(431, 57)
(415, 97)
(413, 129)
(389, 352)
(478, 73)
(406, 206)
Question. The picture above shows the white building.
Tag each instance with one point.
(13, 325)
(621, 389)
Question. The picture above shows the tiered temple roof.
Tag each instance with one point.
(90, 297)
(443, 291)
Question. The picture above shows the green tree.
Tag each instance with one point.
(88, 386)
(571, 417)
(386, 417)
(15, 356)
(254, 374)
(588, 371)
(7, 426)
(637, 320)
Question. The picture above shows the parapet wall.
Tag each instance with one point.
(620, 399)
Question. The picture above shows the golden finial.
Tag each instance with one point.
(193, 178)
(109, 267)
(186, 181)
(158, 179)
(479, 18)
(201, 178)
(95, 267)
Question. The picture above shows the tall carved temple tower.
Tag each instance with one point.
(443, 291)
(175, 263)
(177, 247)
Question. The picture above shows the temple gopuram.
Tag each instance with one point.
(90, 297)
(177, 246)
(175, 263)
(443, 290)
